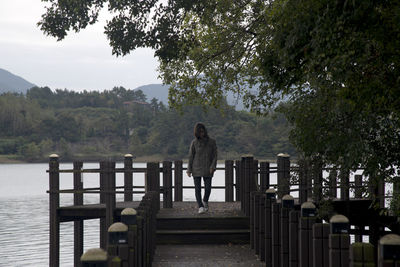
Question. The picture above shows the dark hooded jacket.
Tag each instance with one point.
(202, 157)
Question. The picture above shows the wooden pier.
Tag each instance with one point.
(257, 218)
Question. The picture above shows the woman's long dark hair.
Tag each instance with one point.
(197, 128)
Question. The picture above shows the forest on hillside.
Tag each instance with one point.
(101, 125)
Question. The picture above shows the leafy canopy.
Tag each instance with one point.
(335, 63)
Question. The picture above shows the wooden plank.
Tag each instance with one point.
(178, 180)
(167, 184)
(78, 224)
(264, 176)
(128, 177)
(54, 202)
(228, 181)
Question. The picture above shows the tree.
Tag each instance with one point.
(336, 63)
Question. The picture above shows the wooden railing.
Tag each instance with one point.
(242, 177)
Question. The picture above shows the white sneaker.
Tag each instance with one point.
(201, 210)
(205, 206)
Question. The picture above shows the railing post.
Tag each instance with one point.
(317, 177)
(303, 176)
(264, 176)
(358, 194)
(254, 185)
(103, 195)
(261, 210)
(283, 174)
(94, 257)
(362, 254)
(128, 177)
(321, 244)
(333, 183)
(344, 184)
(339, 241)
(294, 216)
(276, 231)
(129, 217)
(248, 166)
(287, 205)
(110, 194)
(389, 251)
(270, 199)
(238, 180)
(140, 239)
(152, 181)
(255, 221)
(78, 224)
(117, 245)
(167, 184)
(178, 180)
(307, 220)
(54, 201)
(228, 181)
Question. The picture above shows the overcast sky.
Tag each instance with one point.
(81, 61)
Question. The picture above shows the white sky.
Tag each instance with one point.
(81, 61)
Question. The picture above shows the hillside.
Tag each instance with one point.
(13, 83)
(160, 92)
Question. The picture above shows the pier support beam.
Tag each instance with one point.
(54, 200)
(128, 177)
(78, 224)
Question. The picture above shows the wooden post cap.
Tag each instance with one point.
(118, 227)
(389, 249)
(118, 233)
(94, 255)
(339, 224)
(270, 193)
(287, 201)
(283, 155)
(390, 239)
(308, 205)
(339, 219)
(287, 197)
(53, 156)
(247, 156)
(308, 209)
(128, 216)
(128, 156)
(128, 211)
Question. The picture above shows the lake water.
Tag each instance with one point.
(24, 215)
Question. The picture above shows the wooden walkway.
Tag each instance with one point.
(227, 254)
(205, 255)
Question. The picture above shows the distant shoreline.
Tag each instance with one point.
(13, 159)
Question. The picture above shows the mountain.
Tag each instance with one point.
(160, 92)
(13, 83)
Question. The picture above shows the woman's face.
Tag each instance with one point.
(201, 133)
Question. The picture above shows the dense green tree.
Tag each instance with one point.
(336, 63)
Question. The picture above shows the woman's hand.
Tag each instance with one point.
(189, 173)
(212, 170)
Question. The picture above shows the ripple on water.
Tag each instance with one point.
(24, 233)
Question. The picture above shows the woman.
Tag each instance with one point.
(202, 163)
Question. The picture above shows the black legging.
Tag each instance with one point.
(197, 188)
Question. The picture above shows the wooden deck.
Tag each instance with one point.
(205, 255)
(213, 226)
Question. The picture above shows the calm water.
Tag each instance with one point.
(24, 228)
